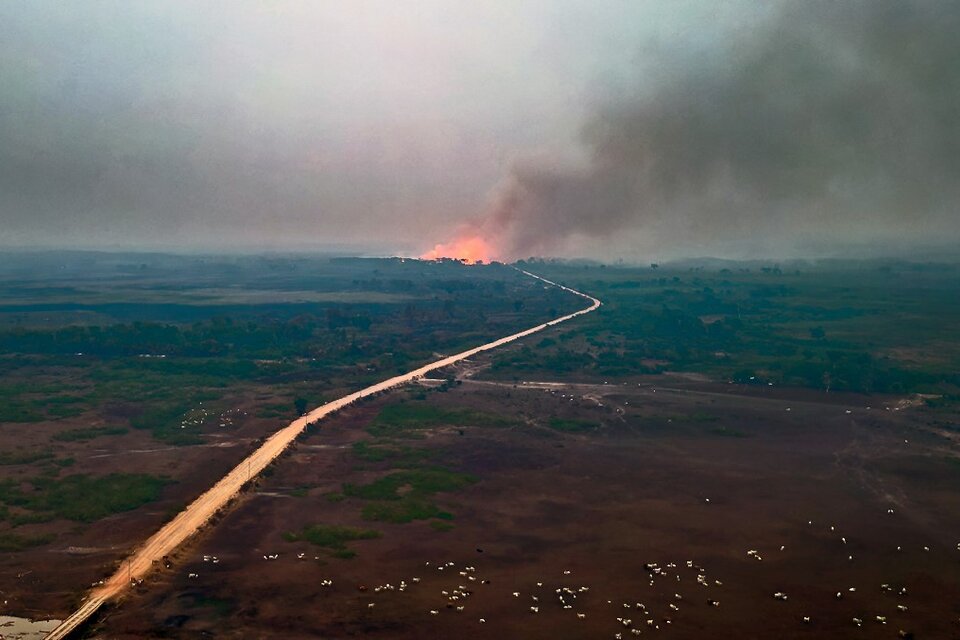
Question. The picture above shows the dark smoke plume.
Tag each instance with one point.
(840, 121)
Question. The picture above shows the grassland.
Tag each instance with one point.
(130, 382)
(78, 497)
(157, 343)
(569, 425)
(637, 451)
(404, 496)
(331, 537)
(83, 435)
(408, 419)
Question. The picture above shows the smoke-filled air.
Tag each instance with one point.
(836, 121)
(483, 131)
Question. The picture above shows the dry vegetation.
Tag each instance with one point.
(706, 411)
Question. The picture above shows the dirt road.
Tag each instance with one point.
(188, 521)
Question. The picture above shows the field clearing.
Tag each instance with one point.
(658, 481)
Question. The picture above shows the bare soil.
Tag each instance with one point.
(49, 580)
(659, 506)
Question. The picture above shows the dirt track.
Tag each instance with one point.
(188, 521)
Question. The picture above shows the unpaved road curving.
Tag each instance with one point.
(197, 513)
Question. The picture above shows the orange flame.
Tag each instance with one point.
(470, 249)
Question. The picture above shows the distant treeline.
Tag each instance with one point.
(836, 332)
(214, 338)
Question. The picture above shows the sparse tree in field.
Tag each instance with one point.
(300, 406)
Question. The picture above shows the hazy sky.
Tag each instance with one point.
(607, 128)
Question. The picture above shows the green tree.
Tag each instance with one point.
(300, 405)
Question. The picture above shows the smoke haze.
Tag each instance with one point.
(833, 122)
(601, 129)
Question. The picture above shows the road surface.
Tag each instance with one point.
(197, 513)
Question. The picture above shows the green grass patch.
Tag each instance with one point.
(334, 537)
(414, 482)
(571, 425)
(12, 410)
(222, 607)
(83, 435)
(400, 456)
(23, 457)
(22, 402)
(82, 497)
(406, 418)
(403, 496)
(275, 410)
(29, 517)
(14, 542)
(64, 406)
(365, 451)
(441, 525)
(404, 511)
(166, 423)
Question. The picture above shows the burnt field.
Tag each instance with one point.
(130, 383)
(666, 505)
(731, 450)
